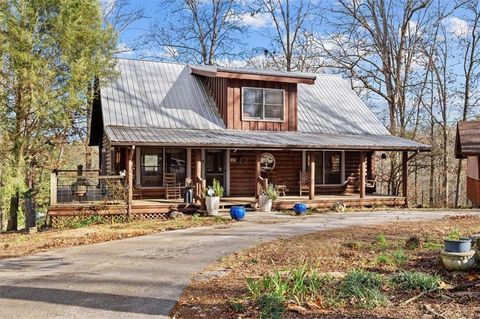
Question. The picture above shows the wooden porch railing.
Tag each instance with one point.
(69, 186)
(262, 185)
(473, 190)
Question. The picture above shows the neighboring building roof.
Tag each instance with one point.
(121, 135)
(467, 142)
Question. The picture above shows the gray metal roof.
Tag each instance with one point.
(148, 93)
(251, 139)
(163, 103)
(330, 106)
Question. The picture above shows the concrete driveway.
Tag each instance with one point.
(143, 277)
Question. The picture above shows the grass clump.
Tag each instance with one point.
(396, 258)
(414, 280)
(363, 289)
(299, 284)
(236, 306)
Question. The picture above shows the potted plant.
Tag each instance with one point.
(79, 187)
(212, 197)
(266, 198)
(455, 243)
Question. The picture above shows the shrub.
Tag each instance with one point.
(414, 280)
(363, 289)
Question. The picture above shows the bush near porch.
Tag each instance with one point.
(361, 272)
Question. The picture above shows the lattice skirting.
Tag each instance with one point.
(59, 221)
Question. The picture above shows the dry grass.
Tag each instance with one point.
(18, 244)
(337, 252)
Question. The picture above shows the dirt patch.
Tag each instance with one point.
(20, 244)
(384, 249)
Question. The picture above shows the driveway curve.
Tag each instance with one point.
(143, 277)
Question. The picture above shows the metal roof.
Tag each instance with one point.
(163, 103)
(148, 93)
(288, 74)
(330, 106)
(252, 139)
(467, 142)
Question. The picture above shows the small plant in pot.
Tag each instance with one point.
(266, 198)
(79, 187)
(456, 243)
(212, 197)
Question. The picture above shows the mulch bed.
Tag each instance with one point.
(211, 293)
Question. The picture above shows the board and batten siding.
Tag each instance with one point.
(227, 94)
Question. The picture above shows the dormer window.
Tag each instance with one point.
(259, 104)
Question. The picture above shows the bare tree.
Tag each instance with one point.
(198, 31)
(292, 46)
(119, 15)
(375, 43)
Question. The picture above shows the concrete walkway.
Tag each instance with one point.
(143, 277)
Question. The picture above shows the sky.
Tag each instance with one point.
(255, 37)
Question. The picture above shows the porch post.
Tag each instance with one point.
(130, 153)
(405, 174)
(198, 174)
(362, 174)
(258, 172)
(53, 187)
(312, 176)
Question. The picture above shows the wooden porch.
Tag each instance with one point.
(146, 207)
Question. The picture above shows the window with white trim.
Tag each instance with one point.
(259, 104)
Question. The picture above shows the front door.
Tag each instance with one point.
(215, 166)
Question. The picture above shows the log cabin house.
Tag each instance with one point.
(309, 134)
(467, 145)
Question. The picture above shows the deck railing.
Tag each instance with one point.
(82, 186)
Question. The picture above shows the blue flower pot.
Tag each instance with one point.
(462, 245)
(300, 208)
(237, 212)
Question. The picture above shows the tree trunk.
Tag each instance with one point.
(12, 224)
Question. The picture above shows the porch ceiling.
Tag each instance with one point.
(122, 135)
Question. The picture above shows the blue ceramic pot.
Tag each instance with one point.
(237, 212)
(462, 245)
(300, 208)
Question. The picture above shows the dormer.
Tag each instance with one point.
(254, 99)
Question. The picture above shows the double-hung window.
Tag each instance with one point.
(259, 104)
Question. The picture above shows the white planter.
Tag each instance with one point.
(264, 203)
(212, 204)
